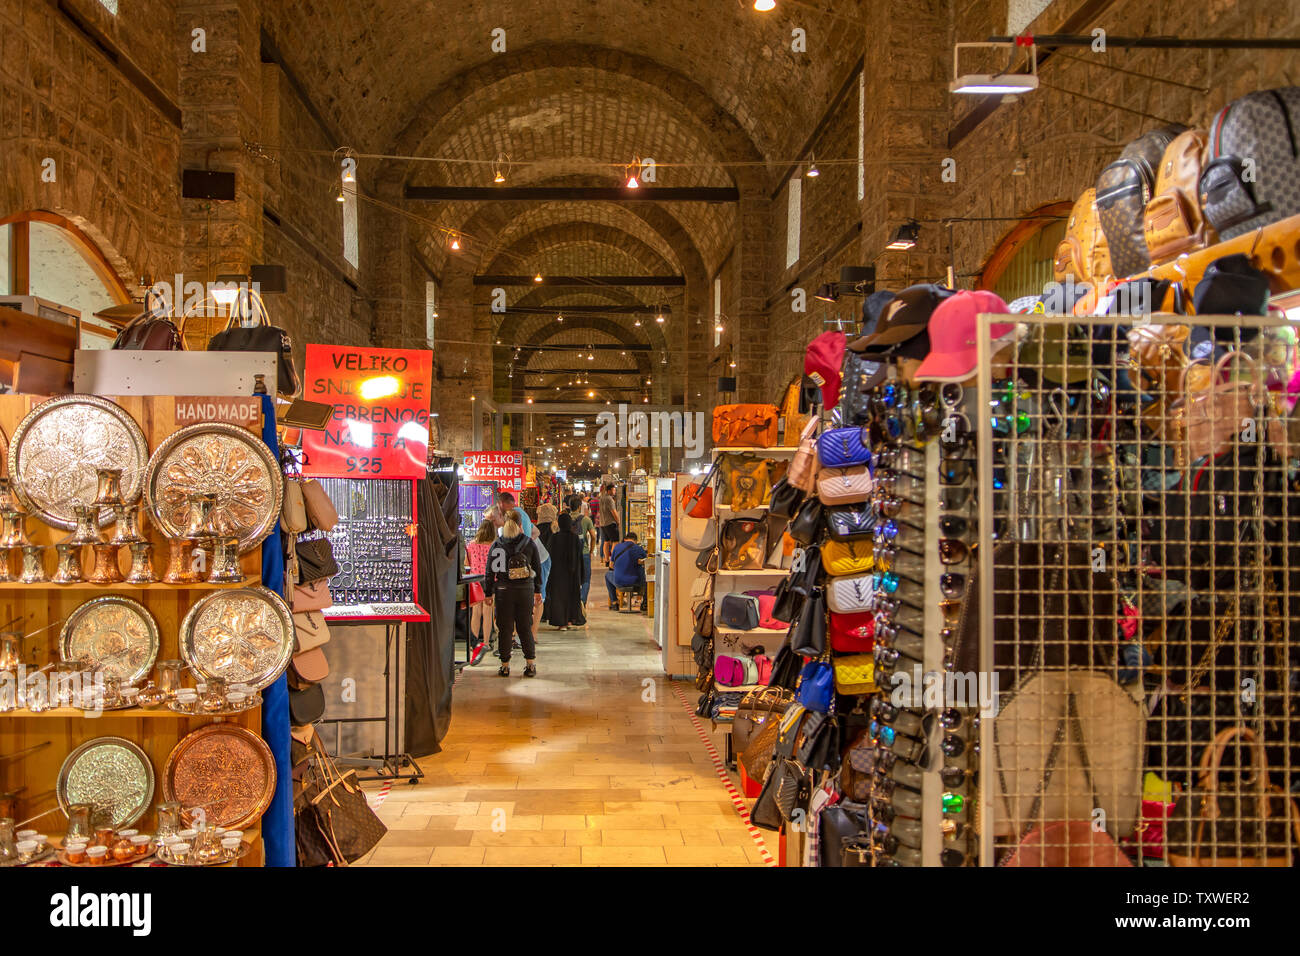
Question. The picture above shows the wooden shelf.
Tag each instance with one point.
(752, 630)
(764, 572)
(791, 449)
(126, 713)
(741, 510)
(122, 586)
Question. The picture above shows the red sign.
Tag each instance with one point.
(380, 425)
(506, 468)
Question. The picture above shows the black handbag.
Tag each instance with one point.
(788, 601)
(806, 525)
(315, 560)
(860, 375)
(849, 522)
(808, 633)
(738, 611)
(785, 668)
(306, 706)
(707, 560)
(809, 576)
(262, 337)
(785, 501)
(836, 824)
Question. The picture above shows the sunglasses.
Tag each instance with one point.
(889, 809)
(951, 856)
(886, 558)
(953, 551)
(890, 581)
(952, 585)
(954, 498)
(953, 526)
(905, 832)
(952, 745)
(888, 529)
(954, 472)
(950, 718)
(891, 506)
(908, 721)
(893, 639)
(954, 441)
(888, 659)
(952, 803)
(951, 611)
(954, 777)
(880, 604)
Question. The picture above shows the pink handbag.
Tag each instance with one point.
(842, 486)
(802, 473)
(1072, 844)
(312, 597)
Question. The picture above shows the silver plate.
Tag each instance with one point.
(59, 444)
(220, 459)
(244, 635)
(114, 634)
(111, 773)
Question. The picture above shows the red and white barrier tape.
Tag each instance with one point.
(720, 767)
(381, 795)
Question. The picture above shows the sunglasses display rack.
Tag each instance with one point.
(1137, 595)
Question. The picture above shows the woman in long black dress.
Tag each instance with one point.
(563, 590)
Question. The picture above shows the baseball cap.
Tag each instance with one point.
(953, 351)
(822, 363)
(872, 306)
(903, 317)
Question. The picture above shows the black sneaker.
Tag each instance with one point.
(530, 670)
(503, 670)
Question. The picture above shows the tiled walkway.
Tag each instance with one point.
(592, 763)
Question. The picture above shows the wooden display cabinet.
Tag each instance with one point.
(33, 746)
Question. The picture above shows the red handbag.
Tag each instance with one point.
(1074, 843)
(853, 633)
(766, 603)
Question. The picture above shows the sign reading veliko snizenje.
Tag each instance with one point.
(380, 425)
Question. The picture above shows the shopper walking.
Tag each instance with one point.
(514, 575)
(609, 524)
(547, 520)
(564, 592)
(628, 571)
(480, 611)
(585, 528)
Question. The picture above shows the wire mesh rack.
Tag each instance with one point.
(1135, 592)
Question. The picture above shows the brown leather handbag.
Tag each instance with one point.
(1173, 220)
(1083, 252)
(805, 463)
(743, 545)
(1157, 357)
(151, 331)
(1215, 414)
(753, 426)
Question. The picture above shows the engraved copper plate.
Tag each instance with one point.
(244, 635)
(57, 448)
(111, 773)
(224, 460)
(112, 633)
(226, 770)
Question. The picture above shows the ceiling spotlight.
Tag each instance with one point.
(645, 399)
(827, 292)
(764, 6)
(559, 317)
(338, 197)
(998, 84)
(813, 172)
(647, 381)
(591, 394)
(1021, 167)
(718, 327)
(663, 359)
(498, 168)
(905, 236)
(637, 323)
(632, 171)
(455, 242)
(349, 176)
(591, 356)
(498, 341)
(660, 318)
(538, 277)
(732, 364)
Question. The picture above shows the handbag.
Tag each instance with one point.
(786, 602)
(785, 668)
(306, 706)
(752, 426)
(803, 465)
(321, 512)
(731, 671)
(806, 573)
(342, 815)
(854, 674)
(315, 560)
(850, 522)
(808, 633)
(707, 561)
(738, 611)
(704, 618)
(784, 499)
(816, 690)
(261, 337)
(843, 448)
(695, 534)
(857, 768)
(312, 597)
(309, 631)
(753, 731)
(837, 486)
(151, 331)
(696, 499)
(293, 514)
(1067, 843)
(850, 595)
(805, 527)
(1214, 416)
(852, 633)
(766, 605)
(743, 481)
(743, 545)
(848, 557)
(1249, 823)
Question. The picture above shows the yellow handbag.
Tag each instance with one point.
(854, 674)
(840, 558)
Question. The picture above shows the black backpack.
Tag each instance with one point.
(1123, 190)
(1252, 176)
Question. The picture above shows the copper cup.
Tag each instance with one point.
(5, 575)
(180, 558)
(127, 527)
(87, 529)
(225, 568)
(13, 529)
(8, 500)
(105, 569)
(199, 523)
(33, 564)
(109, 492)
(141, 563)
(69, 568)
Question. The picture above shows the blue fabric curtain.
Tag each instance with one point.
(277, 822)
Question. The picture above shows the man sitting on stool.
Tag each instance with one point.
(628, 572)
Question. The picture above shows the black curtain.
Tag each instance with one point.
(430, 647)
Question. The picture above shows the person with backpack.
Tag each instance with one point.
(585, 529)
(514, 574)
(628, 561)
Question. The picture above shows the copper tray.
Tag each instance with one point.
(113, 774)
(223, 460)
(114, 633)
(59, 444)
(244, 635)
(108, 861)
(226, 770)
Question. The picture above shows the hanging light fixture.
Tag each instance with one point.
(538, 277)
(763, 6)
(733, 364)
(338, 196)
(717, 326)
(660, 318)
(905, 236)
(559, 317)
(455, 242)
(637, 323)
(813, 172)
(632, 172)
(499, 168)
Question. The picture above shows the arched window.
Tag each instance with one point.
(1022, 262)
(47, 256)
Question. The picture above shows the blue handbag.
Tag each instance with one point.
(817, 686)
(843, 447)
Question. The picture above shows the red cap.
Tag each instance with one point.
(953, 351)
(822, 363)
